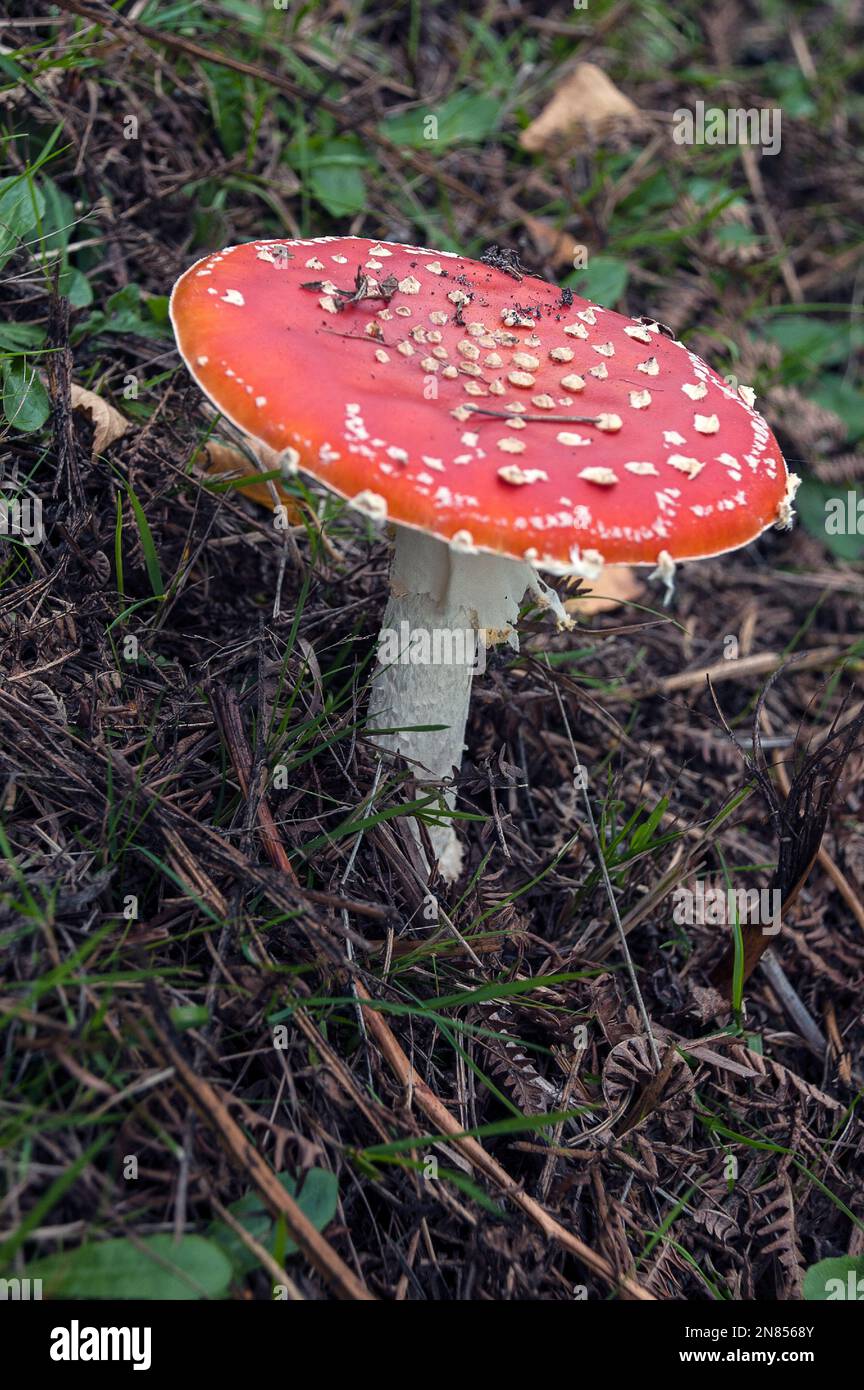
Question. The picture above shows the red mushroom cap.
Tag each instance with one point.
(486, 408)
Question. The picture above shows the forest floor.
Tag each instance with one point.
(213, 973)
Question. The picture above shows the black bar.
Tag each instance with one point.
(255, 1338)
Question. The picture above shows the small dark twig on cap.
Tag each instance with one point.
(529, 418)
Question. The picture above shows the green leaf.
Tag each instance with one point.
(125, 312)
(15, 337)
(156, 1267)
(706, 191)
(13, 70)
(736, 235)
(644, 833)
(336, 179)
(59, 218)
(253, 17)
(76, 287)
(157, 307)
(25, 400)
(21, 206)
(190, 1016)
(227, 93)
(802, 335)
(341, 191)
(464, 118)
(845, 400)
(808, 343)
(603, 280)
(151, 559)
(792, 89)
(653, 194)
(835, 1280)
(834, 515)
(317, 1199)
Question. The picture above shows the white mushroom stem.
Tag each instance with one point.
(446, 606)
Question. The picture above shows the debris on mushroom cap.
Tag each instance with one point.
(372, 392)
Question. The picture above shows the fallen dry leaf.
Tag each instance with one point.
(108, 424)
(558, 248)
(223, 460)
(585, 105)
(616, 585)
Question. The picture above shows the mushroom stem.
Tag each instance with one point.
(447, 605)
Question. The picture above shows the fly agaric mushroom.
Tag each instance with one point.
(500, 424)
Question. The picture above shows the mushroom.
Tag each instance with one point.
(500, 424)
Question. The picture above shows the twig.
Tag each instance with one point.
(349, 867)
(273, 1268)
(530, 418)
(759, 664)
(757, 188)
(610, 891)
(844, 1065)
(213, 1110)
(480, 1159)
(227, 709)
(798, 1013)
